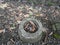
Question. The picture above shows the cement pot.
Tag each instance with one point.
(30, 37)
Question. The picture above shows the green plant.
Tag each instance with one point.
(56, 26)
(56, 35)
(50, 3)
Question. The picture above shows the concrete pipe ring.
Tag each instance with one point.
(29, 35)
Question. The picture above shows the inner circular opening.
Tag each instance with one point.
(31, 26)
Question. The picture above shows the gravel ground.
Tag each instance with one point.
(14, 13)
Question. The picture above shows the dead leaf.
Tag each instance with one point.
(2, 30)
(27, 15)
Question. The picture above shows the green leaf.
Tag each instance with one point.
(58, 26)
(56, 35)
(54, 28)
(50, 3)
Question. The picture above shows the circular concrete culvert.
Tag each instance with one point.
(29, 35)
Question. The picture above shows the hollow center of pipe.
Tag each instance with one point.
(30, 26)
